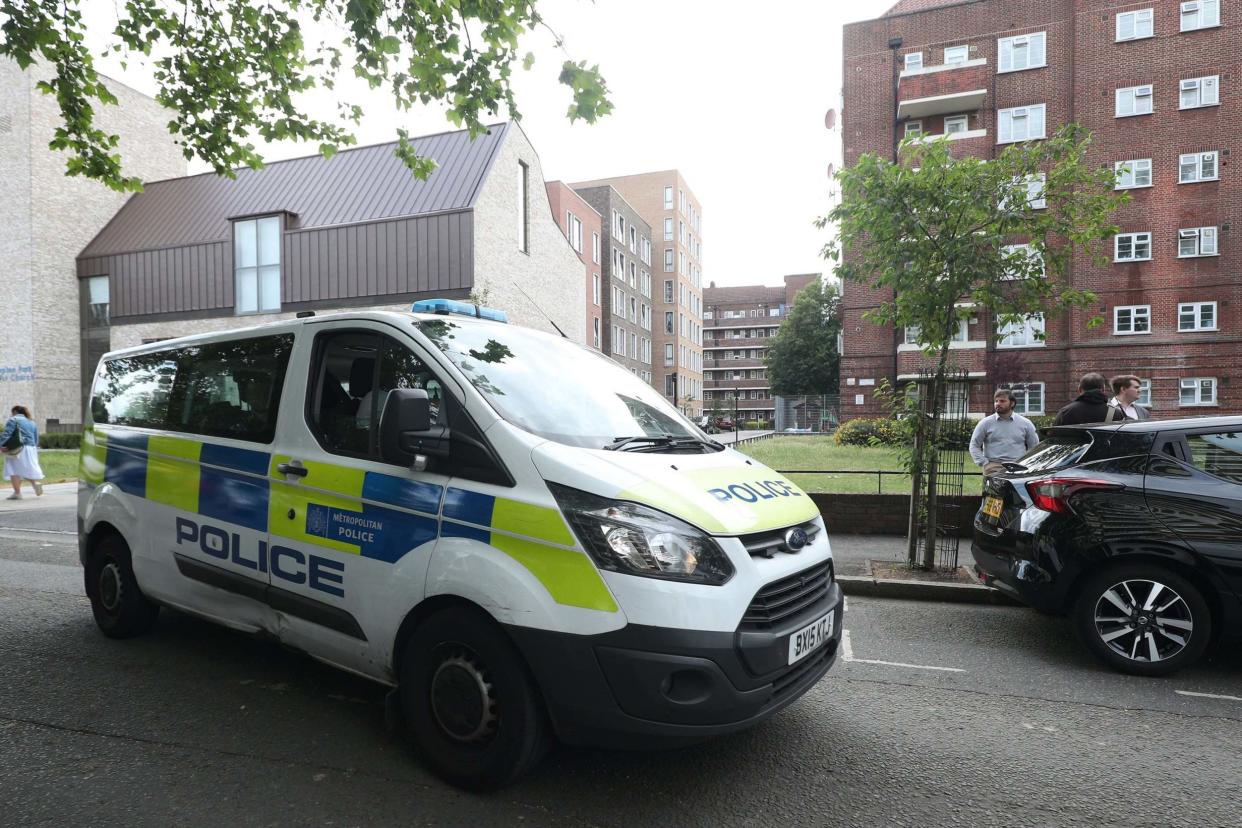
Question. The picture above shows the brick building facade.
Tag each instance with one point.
(583, 228)
(738, 323)
(1157, 85)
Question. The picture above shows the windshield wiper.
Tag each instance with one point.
(662, 441)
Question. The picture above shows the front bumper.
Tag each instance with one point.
(642, 687)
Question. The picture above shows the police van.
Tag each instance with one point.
(514, 532)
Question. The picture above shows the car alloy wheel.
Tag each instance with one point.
(1144, 620)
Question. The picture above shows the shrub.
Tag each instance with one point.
(878, 431)
(1042, 421)
(60, 441)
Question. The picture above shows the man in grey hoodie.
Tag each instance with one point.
(1003, 436)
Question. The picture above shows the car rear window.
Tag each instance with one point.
(1057, 452)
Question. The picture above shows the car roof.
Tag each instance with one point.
(1179, 424)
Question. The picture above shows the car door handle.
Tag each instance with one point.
(289, 468)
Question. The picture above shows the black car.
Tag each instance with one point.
(1134, 530)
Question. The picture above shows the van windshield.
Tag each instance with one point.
(556, 388)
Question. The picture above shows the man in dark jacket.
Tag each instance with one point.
(1091, 406)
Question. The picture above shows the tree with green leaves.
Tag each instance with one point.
(944, 237)
(802, 358)
(233, 70)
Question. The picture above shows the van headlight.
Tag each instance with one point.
(627, 537)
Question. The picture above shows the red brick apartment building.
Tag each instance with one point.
(738, 322)
(1159, 85)
(582, 225)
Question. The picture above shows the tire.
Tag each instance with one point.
(1114, 619)
(120, 608)
(474, 711)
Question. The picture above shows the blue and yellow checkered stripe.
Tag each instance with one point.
(350, 510)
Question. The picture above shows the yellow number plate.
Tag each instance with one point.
(992, 506)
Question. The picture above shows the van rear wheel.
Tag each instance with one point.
(474, 710)
(119, 607)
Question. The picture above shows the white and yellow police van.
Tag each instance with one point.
(518, 534)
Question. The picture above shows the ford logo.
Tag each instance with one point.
(795, 539)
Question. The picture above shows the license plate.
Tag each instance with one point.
(810, 638)
(992, 506)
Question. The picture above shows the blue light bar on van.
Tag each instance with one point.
(447, 306)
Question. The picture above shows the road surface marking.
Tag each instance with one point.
(1208, 695)
(848, 655)
(39, 531)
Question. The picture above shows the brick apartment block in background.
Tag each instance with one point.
(583, 227)
(665, 202)
(738, 322)
(626, 301)
(1159, 87)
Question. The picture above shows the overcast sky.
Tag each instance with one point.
(732, 94)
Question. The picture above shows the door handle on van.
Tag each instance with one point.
(289, 468)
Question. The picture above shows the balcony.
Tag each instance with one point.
(942, 90)
(738, 342)
(730, 384)
(731, 364)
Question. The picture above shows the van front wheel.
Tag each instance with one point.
(474, 710)
(120, 608)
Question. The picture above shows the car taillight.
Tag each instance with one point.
(1052, 494)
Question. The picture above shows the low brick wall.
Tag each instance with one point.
(882, 514)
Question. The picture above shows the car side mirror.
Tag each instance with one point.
(406, 430)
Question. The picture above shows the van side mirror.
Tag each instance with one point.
(406, 429)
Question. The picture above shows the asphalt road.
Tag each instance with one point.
(940, 715)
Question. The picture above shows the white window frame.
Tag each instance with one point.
(1200, 14)
(1134, 313)
(1128, 101)
(1036, 198)
(1005, 118)
(1135, 167)
(573, 229)
(253, 265)
(1138, 17)
(595, 247)
(523, 208)
(912, 62)
(668, 260)
(1206, 92)
(668, 197)
(961, 121)
(1134, 245)
(1030, 252)
(1197, 309)
(1196, 386)
(668, 228)
(1022, 391)
(595, 287)
(964, 51)
(1035, 44)
(913, 128)
(1198, 159)
(596, 327)
(1144, 398)
(1028, 328)
(1202, 241)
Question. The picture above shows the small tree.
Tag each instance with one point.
(934, 231)
(230, 70)
(802, 358)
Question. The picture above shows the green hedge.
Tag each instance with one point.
(60, 441)
(1042, 421)
(877, 431)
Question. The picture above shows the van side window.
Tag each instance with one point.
(230, 389)
(351, 378)
(1217, 454)
(134, 391)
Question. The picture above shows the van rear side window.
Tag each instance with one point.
(217, 389)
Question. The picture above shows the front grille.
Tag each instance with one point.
(787, 597)
(767, 544)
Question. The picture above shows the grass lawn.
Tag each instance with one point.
(792, 453)
(59, 465)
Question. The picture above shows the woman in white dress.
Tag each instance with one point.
(20, 440)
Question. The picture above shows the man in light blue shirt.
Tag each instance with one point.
(1002, 437)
